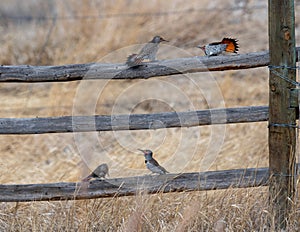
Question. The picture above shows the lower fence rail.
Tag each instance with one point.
(148, 184)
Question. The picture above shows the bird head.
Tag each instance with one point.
(158, 39)
(201, 47)
(147, 153)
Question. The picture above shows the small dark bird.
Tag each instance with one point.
(148, 52)
(216, 48)
(152, 164)
(100, 172)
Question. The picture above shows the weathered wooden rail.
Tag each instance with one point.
(151, 184)
(134, 121)
(92, 71)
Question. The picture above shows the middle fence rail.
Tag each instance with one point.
(133, 121)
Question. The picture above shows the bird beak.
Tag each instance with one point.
(141, 150)
(201, 47)
(162, 39)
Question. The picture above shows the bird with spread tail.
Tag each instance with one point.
(100, 172)
(148, 52)
(216, 48)
(152, 164)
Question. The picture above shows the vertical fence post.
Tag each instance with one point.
(282, 117)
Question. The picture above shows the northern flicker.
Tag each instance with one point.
(148, 52)
(216, 48)
(152, 164)
(100, 172)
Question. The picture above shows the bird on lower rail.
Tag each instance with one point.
(216, 48)
(152, 164)
(100, 172)
(148, 52)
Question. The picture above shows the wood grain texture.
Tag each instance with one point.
(92, 71)
(132, 122)
(282, 139)
(150, 184)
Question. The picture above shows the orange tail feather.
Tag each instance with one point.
(232, 45)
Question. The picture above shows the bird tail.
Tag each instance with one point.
(133, 60)
(232, 45)
(87, 178)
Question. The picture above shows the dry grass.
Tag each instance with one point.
(66, 157)
(223, 210)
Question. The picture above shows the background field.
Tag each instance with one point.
(66, 32)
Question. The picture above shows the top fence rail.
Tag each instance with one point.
(94, 71)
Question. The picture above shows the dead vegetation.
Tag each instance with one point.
(67, 36)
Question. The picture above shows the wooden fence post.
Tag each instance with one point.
(282, 116)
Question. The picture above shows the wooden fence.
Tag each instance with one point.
(282, 165)
(127, 186)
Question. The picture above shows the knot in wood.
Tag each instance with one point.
(273, 88)
(287, 34)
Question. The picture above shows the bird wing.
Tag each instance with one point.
(155, 163)
(148, 51)
(100, 171)
(163, 169)
(214, 43)
(145, 50)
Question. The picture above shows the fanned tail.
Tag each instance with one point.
(133, 60)
(232, 45)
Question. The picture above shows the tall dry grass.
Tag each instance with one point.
(223, 210)
(65, 39)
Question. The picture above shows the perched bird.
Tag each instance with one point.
(152, 164)
(216, 48)
(100, 172)
(148, 52)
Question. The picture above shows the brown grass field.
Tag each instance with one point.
(66, 157)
